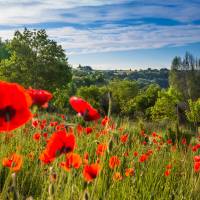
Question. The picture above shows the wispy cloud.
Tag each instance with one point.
(113, 38)
(88, 26)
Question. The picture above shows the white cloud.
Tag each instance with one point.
(114, 38)
(124, 38)
(21, 12)
(110, 36)
(15, 12)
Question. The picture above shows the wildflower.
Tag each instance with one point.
(197, 166)
(73, 160)
(169, 166)
(90, 172)
(60, 142)
(101, 148)
(14, 106)
(88, 130)
(143, 158)
(124, 138)
(197, 158)
(35, 123)
(105, 121)
(36, 136)
(169, 141)
(126, 154)
(79, 129)
(117, 176)
(84, 109)
(14, 162)
(167, 172)
(135, 153)
(114, 162)
(45, 135)
(149, 152)
(184, 141)
(154, 134)
(144, 143)
(40, 97)
(129, 172)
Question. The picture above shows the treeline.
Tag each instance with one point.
(33, 60)
(86, 76)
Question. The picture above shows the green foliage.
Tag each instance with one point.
(165, 107)
(35, 61)
(86, 76)
(193, 115)
(3, 50)
(122, 92)
(185, 76)
(93, 94)
(141, 103)
(62, 96)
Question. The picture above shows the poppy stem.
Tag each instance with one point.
(50, 189)
(13, 187)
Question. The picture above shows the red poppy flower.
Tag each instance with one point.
(105, 121)
(169, 166)
(154, 134)
(90, 172)
(129, 172)
(73, 160)
(197, 158)
(35, 123)
(169, 141)
(84, 108)
(60, 142)
(143, 158)
(88, 130)
(197, 166)
(124, 138)
(79, 129)
(101, 148)
(167, 172)
(114, 162)
(45, 135)
(184, 141)
(14, 106)
(135, 153)
(14, 162)
(36, 136)
(40, 97)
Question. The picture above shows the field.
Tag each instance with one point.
(147, 164)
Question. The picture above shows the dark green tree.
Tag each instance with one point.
(4, 54)
(185, 76)
(35, 61)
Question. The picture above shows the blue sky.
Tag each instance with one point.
(111, 34)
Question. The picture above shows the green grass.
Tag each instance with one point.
(148, 182)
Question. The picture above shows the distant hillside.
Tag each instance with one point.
(85, 76)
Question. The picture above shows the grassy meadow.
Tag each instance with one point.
(152, 165)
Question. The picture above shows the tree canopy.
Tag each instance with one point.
(36, 61)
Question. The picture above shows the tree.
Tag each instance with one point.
(35, 61)
(193, 114)
(165, 107)
(94, 95)
(185, 76)
(141, 104)
(122, 92)
(3, 50)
